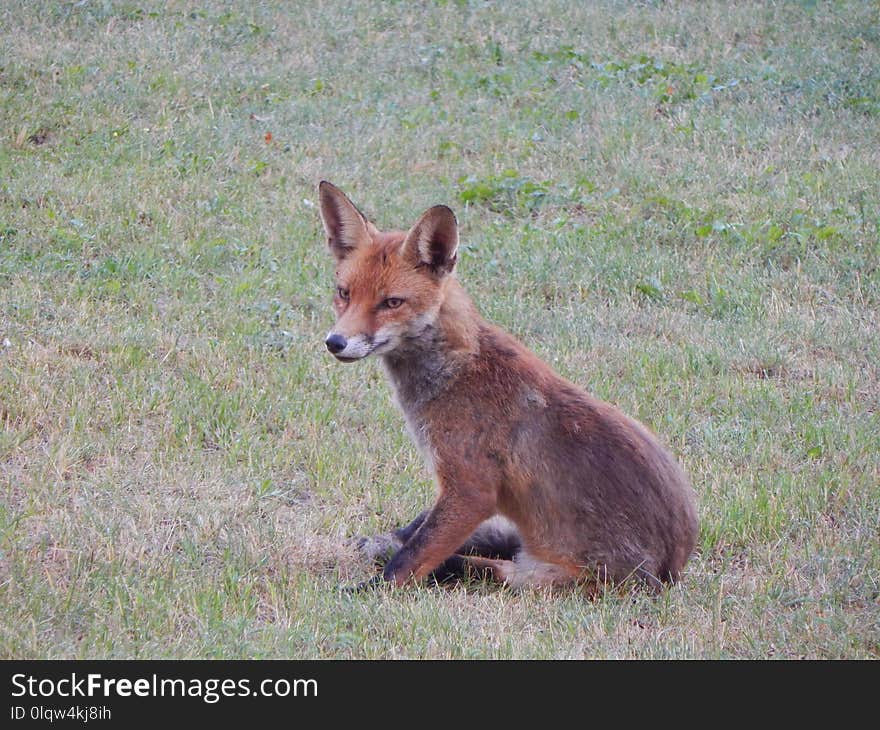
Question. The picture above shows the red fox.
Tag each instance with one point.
(538, 482)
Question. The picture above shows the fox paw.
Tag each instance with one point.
(379, 548)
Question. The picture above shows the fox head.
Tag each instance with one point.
(389, 285)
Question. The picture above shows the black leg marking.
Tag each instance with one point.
(405, 533)
(495, 538)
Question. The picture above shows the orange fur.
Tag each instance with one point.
(592, 492)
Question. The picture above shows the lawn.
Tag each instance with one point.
(676, 204)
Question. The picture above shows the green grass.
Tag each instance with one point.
(676, 204)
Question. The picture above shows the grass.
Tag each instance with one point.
(677, 204)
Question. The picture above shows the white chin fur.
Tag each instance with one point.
(383, 347)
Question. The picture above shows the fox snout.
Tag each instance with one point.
(335, 343)
(354, 347)
(346, 349)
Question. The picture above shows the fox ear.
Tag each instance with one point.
(345, 225)
(433, 241)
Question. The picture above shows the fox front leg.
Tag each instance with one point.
(380, 548)
(448, 525)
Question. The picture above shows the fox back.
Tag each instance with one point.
(581, 490)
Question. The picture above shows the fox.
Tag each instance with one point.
(538, 483)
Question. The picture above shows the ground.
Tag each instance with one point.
(676, 204)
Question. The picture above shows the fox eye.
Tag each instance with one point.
(392, 302)
(343, 293)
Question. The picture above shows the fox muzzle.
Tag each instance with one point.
(335, 343)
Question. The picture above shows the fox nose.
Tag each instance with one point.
(335, 343)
